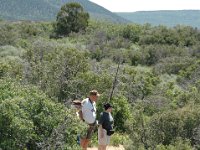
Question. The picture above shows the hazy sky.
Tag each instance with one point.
(140, 5)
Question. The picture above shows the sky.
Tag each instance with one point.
(146, 5)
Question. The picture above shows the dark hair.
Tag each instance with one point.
(107, 105)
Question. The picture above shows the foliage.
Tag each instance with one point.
(156, 91)
(7, 36)
(172, 65)
(71, 18)
(142, 83)
(11, 63)
(190, 75)
(179, 144)
(54, 74)
(174, 124)
(28, 117)
(121, 113)
(119, 139)
(132, 32)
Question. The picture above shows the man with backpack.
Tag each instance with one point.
(88, 115)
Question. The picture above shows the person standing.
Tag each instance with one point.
(89, 116)
(105, 129)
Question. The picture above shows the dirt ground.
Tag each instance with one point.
(109, 148)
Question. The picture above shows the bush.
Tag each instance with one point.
(8, 34)
(119, 139)
(8, 50)
(28, 30)
(172, 65)
(179, 144)
(11, 67)
(189, 76)
(174, 124)
(132, 32)
(138, 83)
(51, 66)
(30, 120)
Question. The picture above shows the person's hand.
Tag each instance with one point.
(102, 135)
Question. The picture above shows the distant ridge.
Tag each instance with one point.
(165, 17)
(46, 10)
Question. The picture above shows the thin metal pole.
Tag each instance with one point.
(114, 82)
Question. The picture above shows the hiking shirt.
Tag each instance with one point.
(106, 120)
(89, 111)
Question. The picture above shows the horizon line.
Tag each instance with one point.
(155, 10)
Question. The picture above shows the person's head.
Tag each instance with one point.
(108, 107)
(94, 95)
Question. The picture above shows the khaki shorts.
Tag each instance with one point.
(105, 140)
(89, 132)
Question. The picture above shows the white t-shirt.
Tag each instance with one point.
(89, 111)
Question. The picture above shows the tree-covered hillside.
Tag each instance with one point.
(168, 18)
(156, 92)
(26, 10)
(96, 11)
(43, 10)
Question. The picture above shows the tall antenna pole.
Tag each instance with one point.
(114, 82)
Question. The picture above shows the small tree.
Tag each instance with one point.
(71, 18)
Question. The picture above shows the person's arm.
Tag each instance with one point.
(100, 125)
(83, 110)
(80, 114)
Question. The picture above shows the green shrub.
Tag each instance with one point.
(174, 124)
(132, 32)
(172, 65)
(179, 144)
(30, 120)
(51, 65)
(8, 34)
(119, 139)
